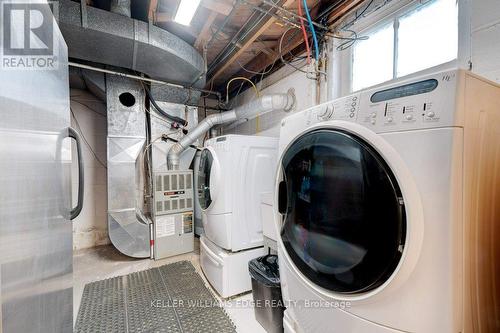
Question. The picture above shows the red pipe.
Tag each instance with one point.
(308, 50)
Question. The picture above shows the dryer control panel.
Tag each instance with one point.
(345, 108)
(426, 102)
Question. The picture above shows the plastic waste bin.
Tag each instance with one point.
(266, 291)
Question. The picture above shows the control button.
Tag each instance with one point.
(389, 120)
(373, 121)
(353, 104)
(374, 115)
(430, 114)
(409, 117)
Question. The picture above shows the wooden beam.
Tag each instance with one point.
(219, 6)
(263, 60)
(153, 5)
(163, 17)
(205, 31)
(249, 41)
(342, 10)
(225, 35)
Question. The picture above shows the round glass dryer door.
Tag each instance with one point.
(206, 161)
(344, 221)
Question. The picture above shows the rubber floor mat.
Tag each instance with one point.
(170, 298)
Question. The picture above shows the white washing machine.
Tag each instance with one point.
(387, 209)
(234, 171)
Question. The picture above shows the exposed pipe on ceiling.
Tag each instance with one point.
(145, 79)
(264, 104)
(240, 35)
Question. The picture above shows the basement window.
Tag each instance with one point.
(416, 39)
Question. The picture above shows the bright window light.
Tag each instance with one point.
(423, 37)
(428, 37)
(185, 11)
(372, 58)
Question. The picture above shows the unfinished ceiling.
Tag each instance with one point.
(241, 37)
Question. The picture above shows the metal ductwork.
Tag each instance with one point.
(121, 7)
(113, 39)
(128, 229)
(264, 104)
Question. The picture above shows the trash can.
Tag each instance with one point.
(266, 291)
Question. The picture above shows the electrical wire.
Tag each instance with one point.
(357, 16)
(240, 78)
(232, 45)
(349, 41)
(72, 100)
(160, 110)
(304, 32)
(280, 45)
(253, 72)
(85, 139)
(313, 31)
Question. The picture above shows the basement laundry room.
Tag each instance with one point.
(247, 166)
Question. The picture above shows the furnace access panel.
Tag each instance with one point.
(173, 213)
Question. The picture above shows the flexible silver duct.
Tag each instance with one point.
(264, 104)
(202, 128)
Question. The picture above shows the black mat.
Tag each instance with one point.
(170, 298)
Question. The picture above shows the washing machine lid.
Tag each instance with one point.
(344, 221)
(206, 163)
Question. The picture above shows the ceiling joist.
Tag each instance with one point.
(205, 31)
(218, 6)
(343, 9)
(260, 29)
(153, 5)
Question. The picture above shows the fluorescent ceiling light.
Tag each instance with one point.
(185, 11)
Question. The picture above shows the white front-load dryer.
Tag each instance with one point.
(234, 172)
(372, 214)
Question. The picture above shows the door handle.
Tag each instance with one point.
(75, 211)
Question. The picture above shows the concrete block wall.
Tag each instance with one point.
(89, 118)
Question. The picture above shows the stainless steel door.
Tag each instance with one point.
(35, 197)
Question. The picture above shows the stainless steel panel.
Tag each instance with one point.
(35, 236)
(126, 139)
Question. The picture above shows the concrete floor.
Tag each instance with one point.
(104, 262)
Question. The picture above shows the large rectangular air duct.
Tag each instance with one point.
(128, 230)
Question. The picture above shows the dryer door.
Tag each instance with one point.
(344, 220)
(206, 163)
